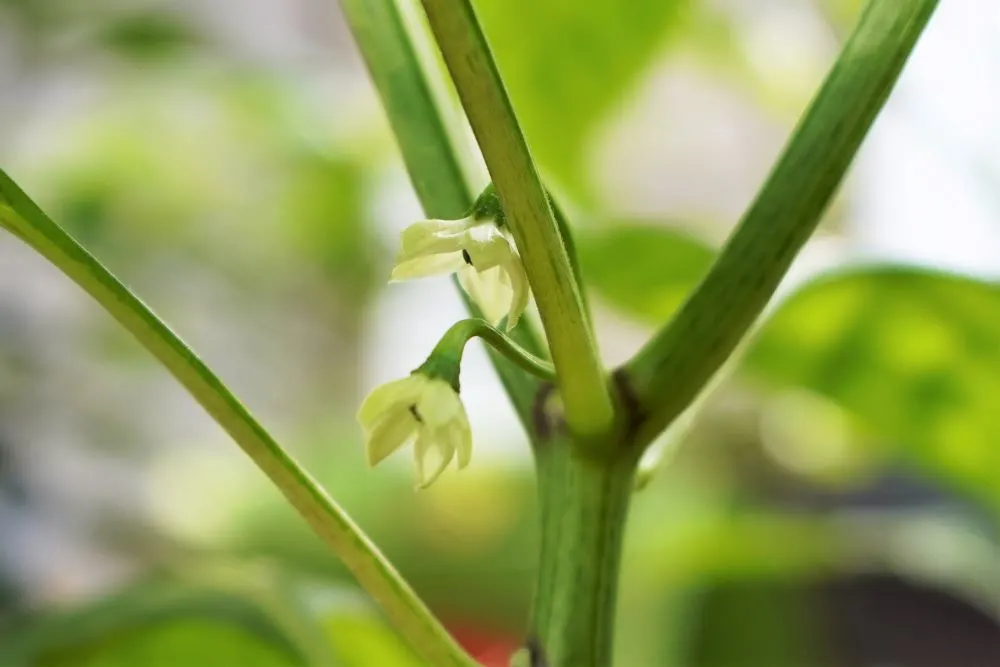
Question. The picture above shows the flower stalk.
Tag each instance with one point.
(452, 346)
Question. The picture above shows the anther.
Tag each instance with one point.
(416, 415)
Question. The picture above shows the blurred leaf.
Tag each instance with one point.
(147, 35)
(912, 352)
(202, 180)
(156, 624)
(34, 16)
(47, 27)
(644, 271)
(179, 642)
(468, 539)
(842, 12)
(765, 623)
(362, 640)
(326, 217)
(566, 65)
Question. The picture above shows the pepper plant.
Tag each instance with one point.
(507, 241)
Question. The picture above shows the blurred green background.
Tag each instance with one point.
(836, 506)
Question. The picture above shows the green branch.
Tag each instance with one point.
(668, 373)
(405, 611)
(582, 381)
(583, 504)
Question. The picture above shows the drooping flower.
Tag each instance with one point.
(480, 249)
(422, 410)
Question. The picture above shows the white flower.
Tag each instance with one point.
(484, 256)
(419, 409)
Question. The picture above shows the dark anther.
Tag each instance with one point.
(467, 257)
(416, 415)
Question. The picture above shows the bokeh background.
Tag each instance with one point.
(836, 505)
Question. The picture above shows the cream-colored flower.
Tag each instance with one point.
(483, 254)
(423, 410)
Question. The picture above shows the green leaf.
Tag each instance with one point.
(567, 64)
(148, 36)
(180, 642)
(157, 624)
(765, 623)
(642, 270)
(910, 352)
(361, 640)
(913, 353)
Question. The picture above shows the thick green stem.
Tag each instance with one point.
(582, 381)
(668, 373)
(584, 504)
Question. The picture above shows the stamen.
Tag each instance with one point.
(467, 257)
(416, 415)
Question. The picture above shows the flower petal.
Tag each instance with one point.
(521, 292)
(391, 433)
(422, 228)
(425, 266)
(439, 404)
(459, 436)
(488, 291)
(388, 397)
(430, 457)
(487, 246)
(429, 237)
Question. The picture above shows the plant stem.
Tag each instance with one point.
(427, 124)
(583, 501)
(584, 505)
(582, 381)
(668, 373)
(405, 610)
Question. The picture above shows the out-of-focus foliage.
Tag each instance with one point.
(567, 64)
(620, 259)
(906, 350)
(468, 538)
(147, 36)
(306, 203)
(132, 33)
(360, 640)
(238, 615)
(158, 624)
(912, 352)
